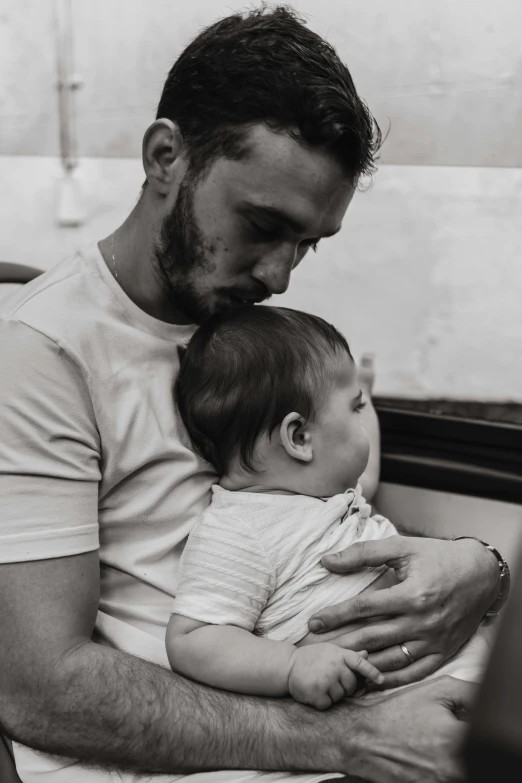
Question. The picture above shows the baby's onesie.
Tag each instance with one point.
(254, 561)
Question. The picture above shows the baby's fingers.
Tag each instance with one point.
(336, 692)
(360, 665)
(321, 702)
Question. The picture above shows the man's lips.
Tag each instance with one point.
(248, 298)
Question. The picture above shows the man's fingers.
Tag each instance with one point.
(393, 658)
(385, 551)
(411, 673)
(389, 601)
(371, 637)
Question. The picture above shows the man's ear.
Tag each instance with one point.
(162, 148)
(295, 439)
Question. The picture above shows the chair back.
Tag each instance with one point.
(17, 273)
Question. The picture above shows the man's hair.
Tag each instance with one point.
(266, 67)
(245, 370)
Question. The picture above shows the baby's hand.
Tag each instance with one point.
(322, 674)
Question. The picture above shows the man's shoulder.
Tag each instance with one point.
(64, 303)
(55, 294)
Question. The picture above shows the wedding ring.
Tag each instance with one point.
(407, 653)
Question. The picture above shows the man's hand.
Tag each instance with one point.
(412, 735)
(324, 674)
(444, 589)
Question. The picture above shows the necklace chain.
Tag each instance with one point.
(113, 257)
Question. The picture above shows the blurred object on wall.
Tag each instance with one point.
(70, 204)
(494, 748)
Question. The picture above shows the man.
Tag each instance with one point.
(259, 144)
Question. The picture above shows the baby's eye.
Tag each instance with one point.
(359, 408)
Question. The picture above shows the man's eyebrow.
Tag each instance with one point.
(283, 217)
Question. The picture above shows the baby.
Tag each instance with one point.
(271, 398)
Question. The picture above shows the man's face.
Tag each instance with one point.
(239, 232)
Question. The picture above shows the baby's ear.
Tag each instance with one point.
(295, 438)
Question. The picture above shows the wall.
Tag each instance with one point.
(426, 272)
(446, 74)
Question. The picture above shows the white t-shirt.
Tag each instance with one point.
(93, 455)
(254, 560)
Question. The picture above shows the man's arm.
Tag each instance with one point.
(62, 694)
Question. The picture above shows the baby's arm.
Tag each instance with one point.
(233, 659)
(228, 657)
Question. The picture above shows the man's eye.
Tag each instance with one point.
(266, 233)
(310, 244)
(271, 234)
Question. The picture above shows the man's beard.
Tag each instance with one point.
(180, 253)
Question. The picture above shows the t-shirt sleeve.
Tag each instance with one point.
(49, 450)
(226, 578)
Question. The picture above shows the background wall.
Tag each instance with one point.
(426, 272)
(446, 74)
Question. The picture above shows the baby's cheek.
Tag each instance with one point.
(364, 444)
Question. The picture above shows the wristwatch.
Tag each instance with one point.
(505, 578)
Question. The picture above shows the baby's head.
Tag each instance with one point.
(270, 397)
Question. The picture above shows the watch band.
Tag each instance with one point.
(505, 577)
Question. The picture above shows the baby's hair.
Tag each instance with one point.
(244, 371)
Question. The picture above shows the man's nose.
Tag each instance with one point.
(274, 271)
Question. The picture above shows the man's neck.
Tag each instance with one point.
(129, 255)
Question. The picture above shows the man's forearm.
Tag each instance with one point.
(111, 709)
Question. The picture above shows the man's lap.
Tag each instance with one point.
(36, 768)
